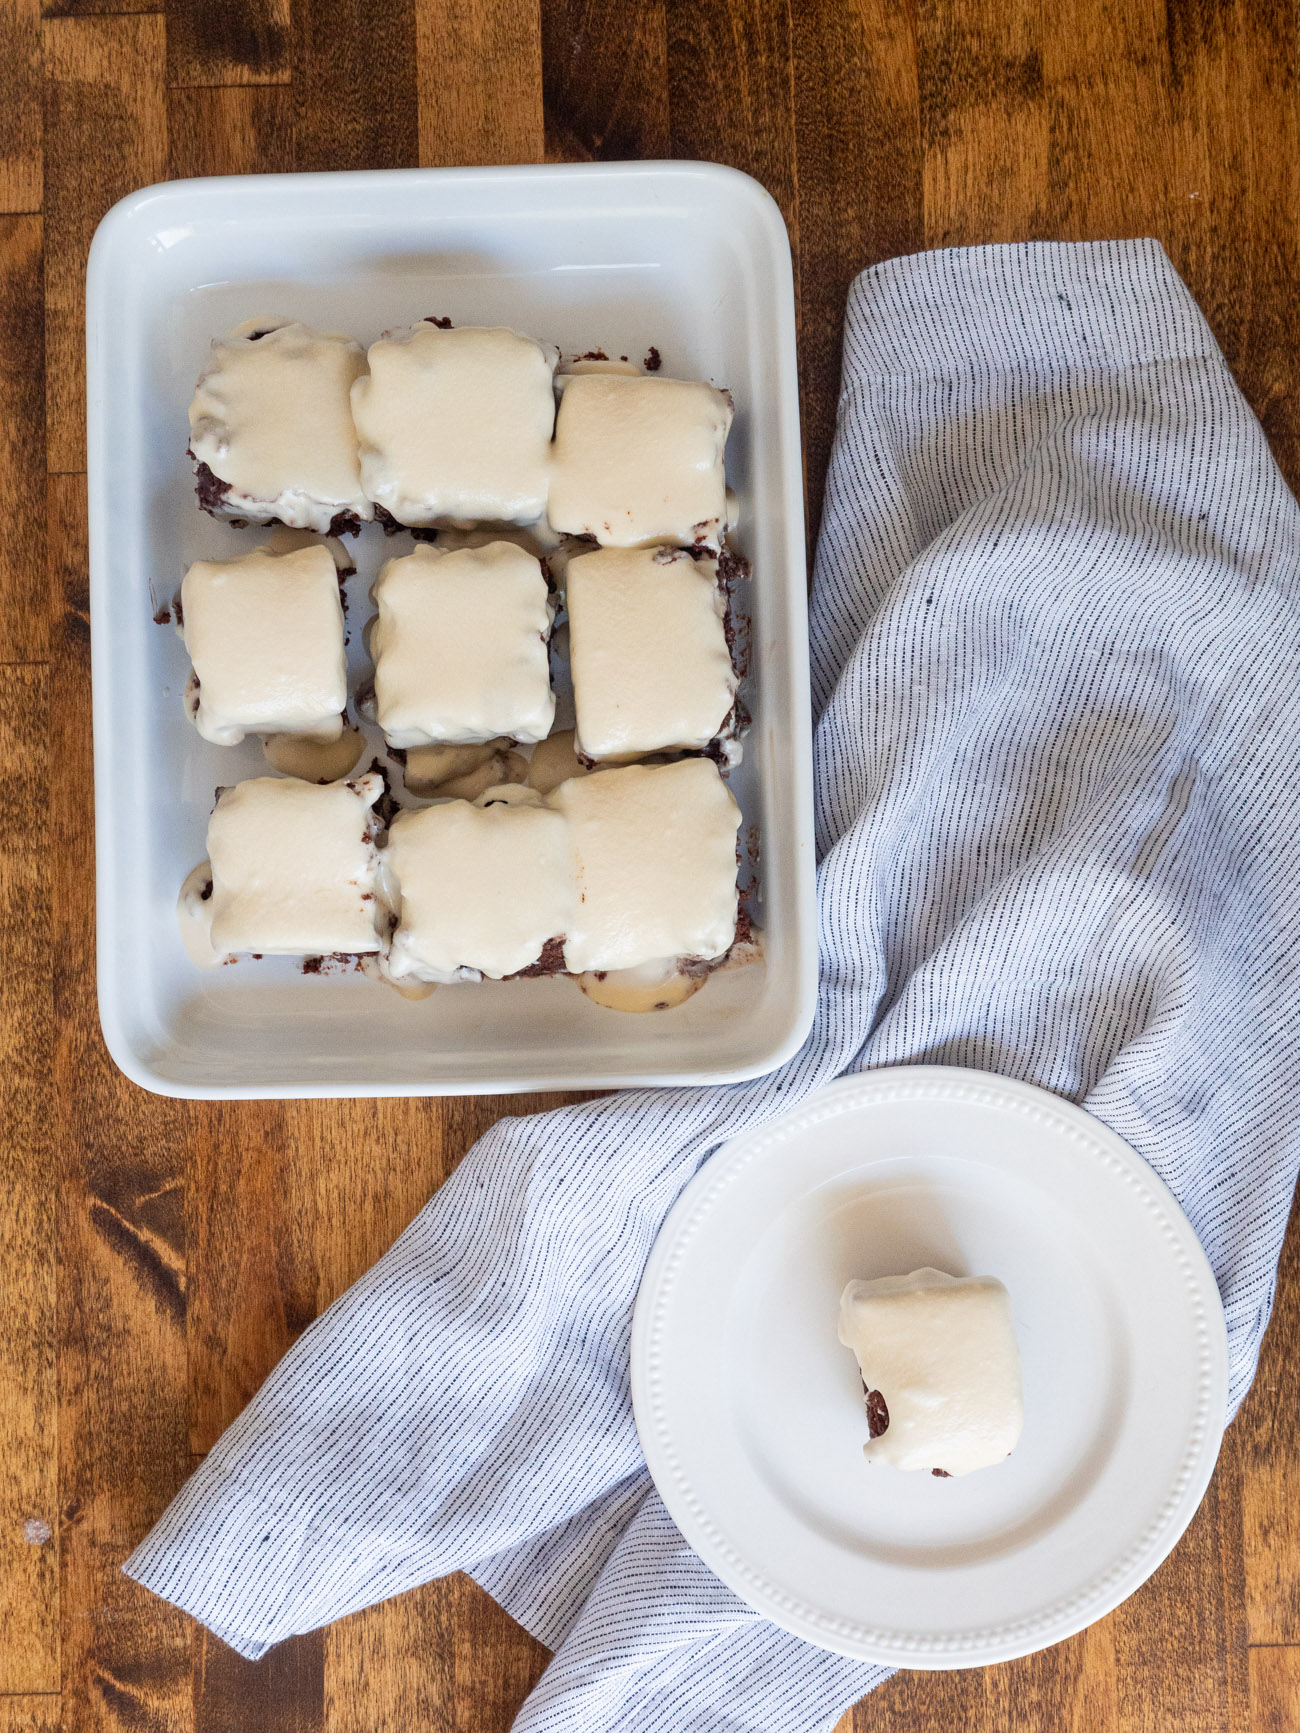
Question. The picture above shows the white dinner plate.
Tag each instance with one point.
(751, 1412)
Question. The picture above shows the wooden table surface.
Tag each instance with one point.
(157, 1257)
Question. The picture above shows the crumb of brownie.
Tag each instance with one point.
(653, 361)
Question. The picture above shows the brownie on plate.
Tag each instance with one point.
(940, 1367)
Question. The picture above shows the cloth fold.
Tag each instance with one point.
(1056, 650)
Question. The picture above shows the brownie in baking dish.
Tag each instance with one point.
(294, 868)
(482, 888)
(460, 646)
(264, 634)
(649, 653)
(271, 431)
(640, 461)
(455, 425)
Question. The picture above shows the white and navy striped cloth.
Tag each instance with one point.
(1056, 654)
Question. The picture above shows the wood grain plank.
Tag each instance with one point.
(24, 631)
(858, 151)
(730, 83)
(20, 112)
(1267, 1434)
(99, 8)
(284, 1692)
(409, 1644)
(1274, 1690)
(912, 1702)
(31, 1714)
(239, 129)
(29, 1610)
(605, 80)
(1180, 1642)
(1187, 127)
(480, 82)
(105, 135)
(224, 42)
(122, 1435)
(496, 1663)
(354, 84)
(1110, 98)
(984, 121)
(1071, 1686)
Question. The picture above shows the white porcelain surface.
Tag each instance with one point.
(691, 258)
(751, 1413)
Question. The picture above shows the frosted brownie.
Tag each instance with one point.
(294, 867)
(478, 889)
(460, 646)
(265, 635)
(640, 461)
(648, 650)
(940, 1366)
(654, 852)
(271, 428)
(455, 425)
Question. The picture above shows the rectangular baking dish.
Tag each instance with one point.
(689, 257)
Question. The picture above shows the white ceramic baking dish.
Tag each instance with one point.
(689, 257)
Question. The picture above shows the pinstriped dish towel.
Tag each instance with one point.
(1056, 655)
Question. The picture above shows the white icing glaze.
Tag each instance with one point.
(265, 635)
(942, 1352)
(656, 986)
(456, 424)
(283, 540)
(648, 649)
(295, 867)
(460, 646)
(477, 887)
(194, 918)
(428, 767)
(553, 761)
(654, 851)
(315, 760)
(535, 538)
(640, 461)
(272, 417)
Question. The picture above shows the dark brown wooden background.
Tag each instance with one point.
(156, 1257)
